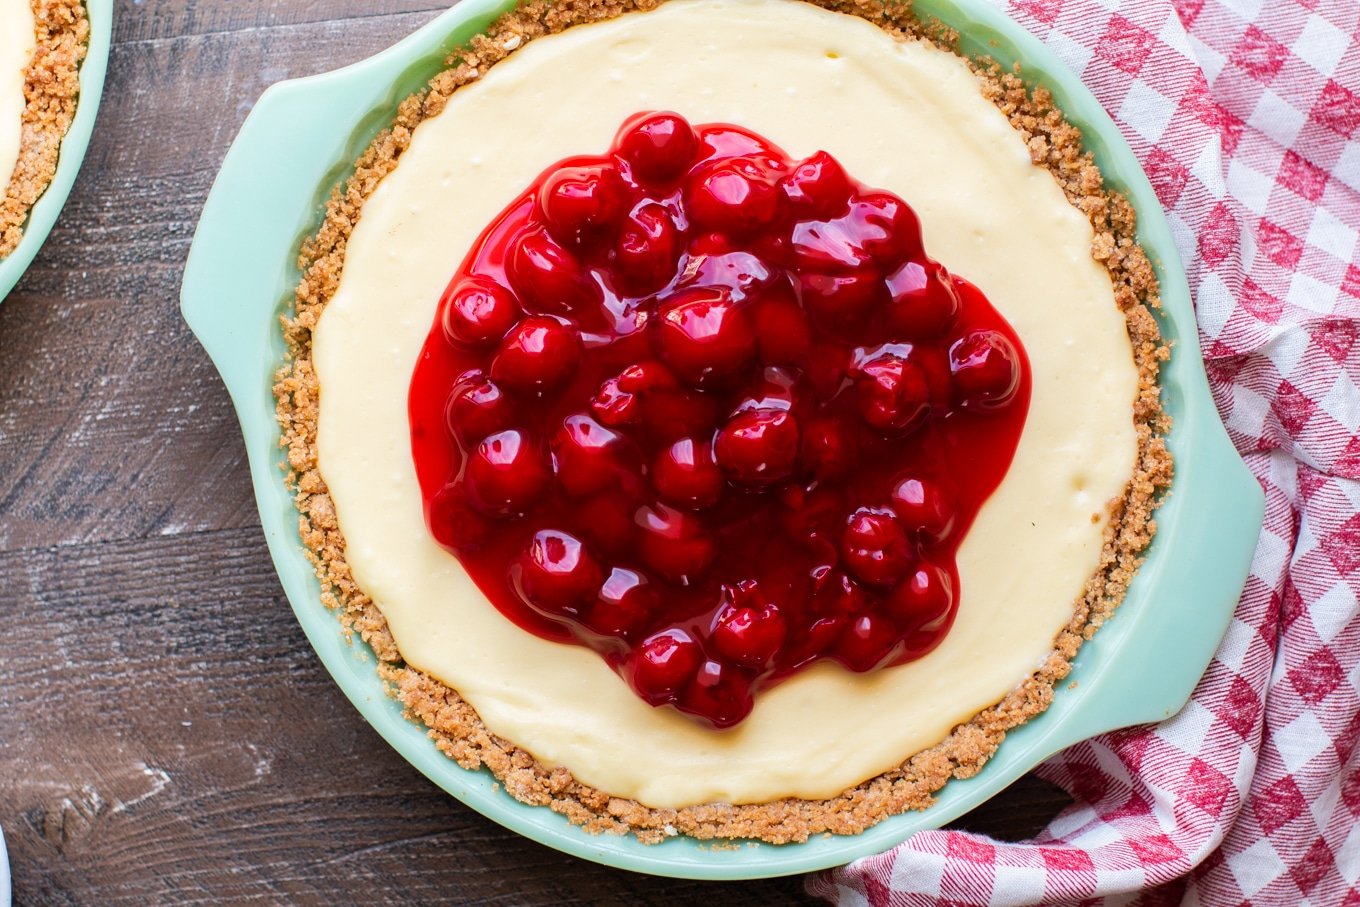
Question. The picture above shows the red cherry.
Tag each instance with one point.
(835, 599)
(815, 516)
(662, 664)
(843, 304)
(887, 228)
(686, 475)
(657, 146)
(625, 603)
(548, 278)
(894, 397)
(875, 547)
(627, 338)
(704, 336)
(590, 457)
(758, 446)
(674, 543)
(829, 447)
(836, 594)
(669, 415)
(648, 251)
(922, 601)
(933, 361)
(828, 247)
(477, 311)
(775, 389)
(750, 637)
(744, 593)
(986, 367)
(454, 523)
(783, 335)
(818, 187)
(709, 244)
(719, 693)
(606, 522)
(924, 304)
(477, 407)
(826, 367)
(736, 196)
(582, 202)
(647, 394)
(557, 575)
(722, 141)
(619, 401)
(869, 641)
(539, 355)
(820, 637)
(506, 474)
(743, 275)
(924, 507)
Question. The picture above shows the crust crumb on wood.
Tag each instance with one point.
(455, 726)
(51, 89)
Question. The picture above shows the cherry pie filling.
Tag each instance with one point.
(713, 413)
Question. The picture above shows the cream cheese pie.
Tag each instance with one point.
(42, 43)
(726, 418)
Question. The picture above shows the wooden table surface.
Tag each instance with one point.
(166, 734)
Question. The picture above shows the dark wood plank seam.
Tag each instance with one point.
(272, 29)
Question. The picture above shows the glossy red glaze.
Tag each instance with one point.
(713, 413)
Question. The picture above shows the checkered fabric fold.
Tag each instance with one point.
(1245, 115)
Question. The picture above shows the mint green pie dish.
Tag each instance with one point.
(45, 212)
(301, 139)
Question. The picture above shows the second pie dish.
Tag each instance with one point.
(582, 662)
(53, 55)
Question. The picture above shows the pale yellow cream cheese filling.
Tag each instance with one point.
(907, 117)
(18, 38)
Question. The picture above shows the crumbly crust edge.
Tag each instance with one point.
(51, 89)
(454, 725)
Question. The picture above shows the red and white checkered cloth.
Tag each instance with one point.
(1246, 116)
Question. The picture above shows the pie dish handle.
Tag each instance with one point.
(235, 265)
(299, 140)
(1144, 665)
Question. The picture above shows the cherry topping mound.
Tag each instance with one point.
(713, 412)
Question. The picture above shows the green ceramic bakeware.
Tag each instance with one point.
(44, 213)
(300, 140)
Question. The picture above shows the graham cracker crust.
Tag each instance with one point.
(51, 87)
(455, 726)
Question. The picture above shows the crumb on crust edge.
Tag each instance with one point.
(454, 725)
(51, 90)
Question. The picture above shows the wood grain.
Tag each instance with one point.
(148, 20)
(166, 734)
(100, 303)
